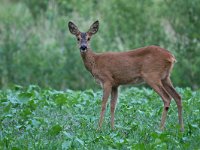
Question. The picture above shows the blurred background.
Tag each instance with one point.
(37, 48)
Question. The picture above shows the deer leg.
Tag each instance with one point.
(160, 90)
(170, 89)
(114, 94)
(106, 93)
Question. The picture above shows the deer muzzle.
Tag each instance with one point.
(83, 48)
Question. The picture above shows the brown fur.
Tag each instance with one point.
(127, 67)
(151, 64)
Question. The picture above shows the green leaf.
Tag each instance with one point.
(25, 113)
(24, 97)
(60, 99)
(18, 87)
(66, 144)
(158, 141)
(15, 148)
(35, 123)
(80, 141)
(68, 135)
(55, 130)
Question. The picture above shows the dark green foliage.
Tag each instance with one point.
(35, 118)
(185, 23)
(37, 48)
(36, 7)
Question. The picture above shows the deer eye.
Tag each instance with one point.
(78, 39)
(88, 39)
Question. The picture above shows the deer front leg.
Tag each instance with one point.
(106, 93)
(114, 94)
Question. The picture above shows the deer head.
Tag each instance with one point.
(83, 38)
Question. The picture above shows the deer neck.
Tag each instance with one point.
(89, 60)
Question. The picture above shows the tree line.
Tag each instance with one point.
(37, 48)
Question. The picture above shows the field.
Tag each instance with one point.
(35, 118)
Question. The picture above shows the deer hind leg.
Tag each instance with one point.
(170, 89)
(106, 93)
(160, 90)
(114, 95)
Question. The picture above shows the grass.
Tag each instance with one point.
(35, 118)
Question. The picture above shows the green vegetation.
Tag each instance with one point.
(35, 118)
(37, 48)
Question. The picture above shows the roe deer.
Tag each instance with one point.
(151, 64)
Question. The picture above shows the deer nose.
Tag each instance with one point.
(83, 47)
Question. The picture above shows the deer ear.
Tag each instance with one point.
(73, 28)
(94, 28)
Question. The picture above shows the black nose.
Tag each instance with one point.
(83, 47)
